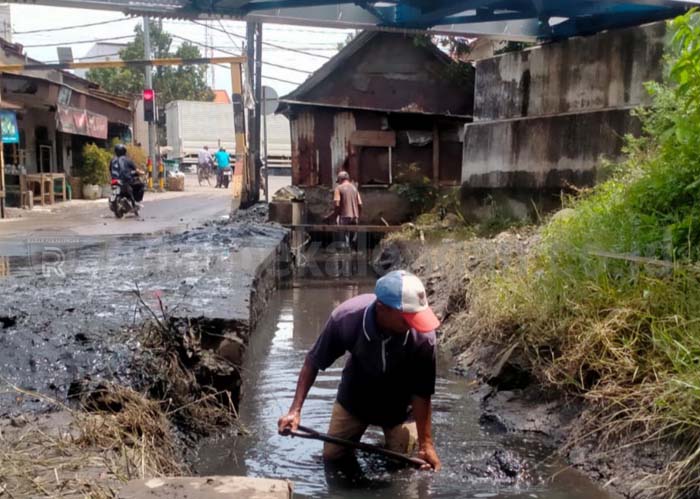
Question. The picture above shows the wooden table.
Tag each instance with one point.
(44, 180)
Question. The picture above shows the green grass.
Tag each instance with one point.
(608, 306)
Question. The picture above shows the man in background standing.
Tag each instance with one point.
(347, 206)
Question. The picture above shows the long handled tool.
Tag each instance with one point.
(305, 432)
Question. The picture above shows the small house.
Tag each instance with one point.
(385, 108)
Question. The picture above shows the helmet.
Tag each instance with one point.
(120, 150)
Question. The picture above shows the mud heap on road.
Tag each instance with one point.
(136, 346)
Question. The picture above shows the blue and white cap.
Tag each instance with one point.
(403, 291)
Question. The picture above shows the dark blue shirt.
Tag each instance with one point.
(384, 371)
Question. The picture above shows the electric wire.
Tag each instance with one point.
(80, 42)
(65, 28)
(266, 43)
(240, 46)
(271, 64)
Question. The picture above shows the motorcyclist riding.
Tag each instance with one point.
(123, 169)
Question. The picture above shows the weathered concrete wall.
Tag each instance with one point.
(536, 153)
(586, 73)
(545, 117)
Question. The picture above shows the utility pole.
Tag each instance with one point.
(258, 105)
(149, 84)
(252, 138)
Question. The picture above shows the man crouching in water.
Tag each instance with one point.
(390, 336)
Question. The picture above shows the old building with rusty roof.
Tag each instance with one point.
(385, 105)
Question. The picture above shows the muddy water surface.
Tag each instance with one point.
(292, 321)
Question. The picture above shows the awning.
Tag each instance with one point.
(81, 122)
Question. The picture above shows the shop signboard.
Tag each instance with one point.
(10, 131)
(81, 122)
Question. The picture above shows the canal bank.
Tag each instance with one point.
(512, 392)
(208, 294)
(479, 459)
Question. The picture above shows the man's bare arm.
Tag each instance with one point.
(423, 412)
(292, 419)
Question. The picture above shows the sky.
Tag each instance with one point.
(319, 43)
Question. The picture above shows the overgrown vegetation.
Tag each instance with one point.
(95, 166)
(415, 187)
(608, 307)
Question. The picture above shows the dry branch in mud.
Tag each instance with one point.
(201, 388)
(120, 435)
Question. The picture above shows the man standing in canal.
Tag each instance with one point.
(347, 205)
(389, 377)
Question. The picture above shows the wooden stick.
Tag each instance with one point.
(373, 449)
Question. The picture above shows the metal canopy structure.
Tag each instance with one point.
(505, 19)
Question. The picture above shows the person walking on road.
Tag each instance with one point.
(389, 377)
(347, 206)
(205, 164)
(222, 162)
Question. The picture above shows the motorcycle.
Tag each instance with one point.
(119, 202)
(226, 177)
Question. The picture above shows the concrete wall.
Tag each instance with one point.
(580, 74)
(543, 153)
(545, 117)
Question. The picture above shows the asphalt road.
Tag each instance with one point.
(162, 212)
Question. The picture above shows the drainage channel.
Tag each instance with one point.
(476, 462)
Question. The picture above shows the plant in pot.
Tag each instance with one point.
(94, 170)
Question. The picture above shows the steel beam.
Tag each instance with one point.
(508, 20)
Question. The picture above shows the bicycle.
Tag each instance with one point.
(203, 173)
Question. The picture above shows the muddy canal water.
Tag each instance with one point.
(291, 323)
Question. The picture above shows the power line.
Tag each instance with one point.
(266, 43)
(280, 80)
(79, 42)
(295, 83)
(280, 66)
(64, 28)
(87, 58)
(240, 47)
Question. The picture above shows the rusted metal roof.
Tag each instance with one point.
(408, 110)
(390, 73)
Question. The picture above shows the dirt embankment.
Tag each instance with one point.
(112, 367)
(511, 397)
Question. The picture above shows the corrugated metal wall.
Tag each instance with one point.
(343, 126)
(321, 146)
(304, 167)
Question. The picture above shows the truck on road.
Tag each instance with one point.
(191, 125)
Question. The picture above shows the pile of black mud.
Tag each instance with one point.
(63, 328)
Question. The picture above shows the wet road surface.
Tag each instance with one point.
(169, 211)
(469, 452)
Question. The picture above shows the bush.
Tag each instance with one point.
(609, 306)
(136, 153)
(95, 167)
(416, 188)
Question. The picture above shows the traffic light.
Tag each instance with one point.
(149, 105)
